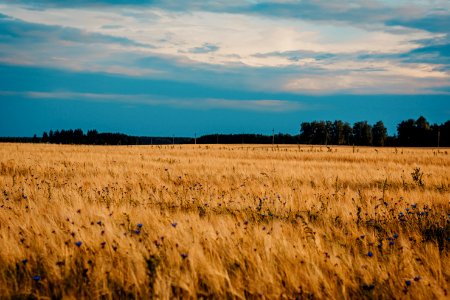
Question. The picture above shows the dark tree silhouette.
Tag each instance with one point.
(418, 133)
(406, 132)
(348, 134)
(45, 137)
(443, 134)
(306, 133)
(337, 133)
(409, 133)
(379, 134)
(362, 133)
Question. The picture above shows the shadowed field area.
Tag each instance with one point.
(220, 221)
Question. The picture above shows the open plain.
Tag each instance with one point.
(224, 221)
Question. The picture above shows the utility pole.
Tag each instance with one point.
(273, 136)
(195, 139)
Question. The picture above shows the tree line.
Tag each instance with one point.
(417, 133)
(93, 137)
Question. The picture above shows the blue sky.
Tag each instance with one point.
(198, 67)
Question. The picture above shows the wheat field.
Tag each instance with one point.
(224, 221)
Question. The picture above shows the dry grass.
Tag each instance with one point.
(223, 221)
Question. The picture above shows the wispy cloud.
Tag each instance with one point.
(158, 100)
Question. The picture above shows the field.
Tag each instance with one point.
(220, 221)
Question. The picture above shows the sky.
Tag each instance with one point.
(185, 68)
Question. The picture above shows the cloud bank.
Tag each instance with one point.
(361, 47)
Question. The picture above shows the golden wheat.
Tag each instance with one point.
(241, 221)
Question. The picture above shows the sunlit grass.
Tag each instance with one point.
(224, 221)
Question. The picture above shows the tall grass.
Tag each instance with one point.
(224, 221)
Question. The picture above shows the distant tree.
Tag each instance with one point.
(422, 123)
(379, 134)
(306, 133)
(50, 136)
(63, 136)
(347, 131)
(325, 132)
(406, 130)
(444, 134)
(423, 133)
(78, 136)
(341, 133)
(69, 136)
(45, 137)
(328, 132)
(320, 134)
(362, 133)
(417, 133)
(92, 137)
(336, 129)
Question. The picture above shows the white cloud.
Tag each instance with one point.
(237, 35)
